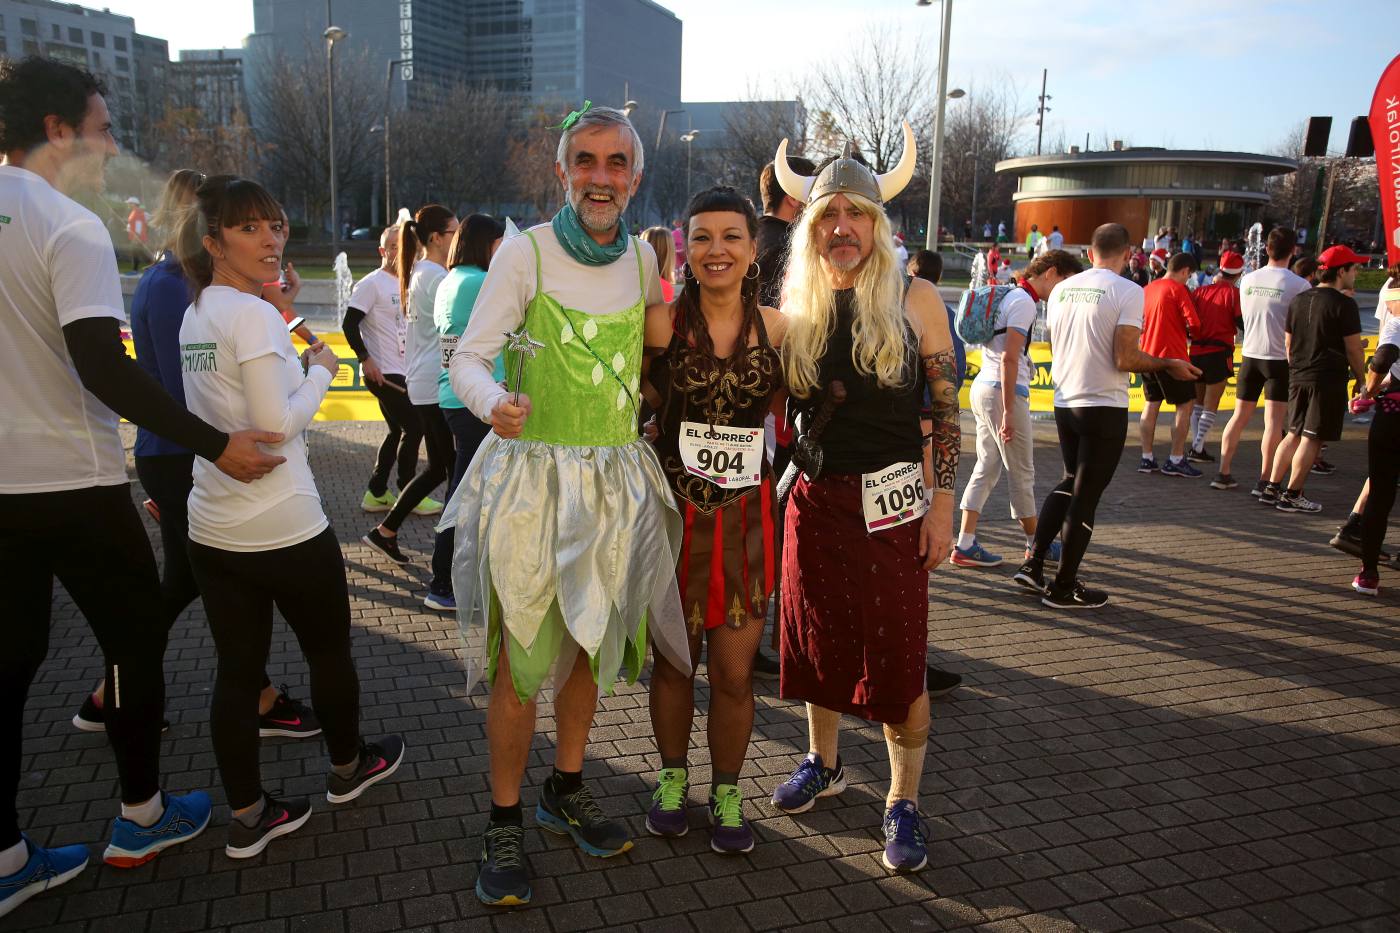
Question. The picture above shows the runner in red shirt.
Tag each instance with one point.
(1213, 348)
(1168, 312)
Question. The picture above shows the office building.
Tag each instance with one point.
(211, 82)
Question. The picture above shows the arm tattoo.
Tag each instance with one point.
(941, 369)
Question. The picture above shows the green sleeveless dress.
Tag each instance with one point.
(568, 535)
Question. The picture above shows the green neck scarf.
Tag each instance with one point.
(569, 231)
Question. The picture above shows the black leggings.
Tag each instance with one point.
(468, 431)
(92, 541)
(400, 443)
(439, 440)
(1383, 465)
(306, 582)
(1091, 443)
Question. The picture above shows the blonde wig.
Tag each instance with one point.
(878, 330)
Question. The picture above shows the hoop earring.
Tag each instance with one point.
(753, 267)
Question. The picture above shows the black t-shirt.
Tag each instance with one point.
(773, 236)
(1319, 320)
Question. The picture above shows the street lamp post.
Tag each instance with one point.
(936, 172)
(688, 139)
(333, 35)
(388, 189)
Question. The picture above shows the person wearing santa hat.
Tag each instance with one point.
(1157, 263)
(1213, 348)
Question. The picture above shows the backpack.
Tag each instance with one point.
(975, 320)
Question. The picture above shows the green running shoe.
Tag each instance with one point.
(667, 815)
(429, 506)
(731, 834)
(502, 879)
(373, 503)
(576, 814)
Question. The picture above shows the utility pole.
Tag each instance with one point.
(935, 183)
(1040, 120)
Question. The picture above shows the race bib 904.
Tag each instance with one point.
(447, 343)
(893, 496)
(728, 457)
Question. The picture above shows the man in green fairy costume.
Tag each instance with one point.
(567, 534)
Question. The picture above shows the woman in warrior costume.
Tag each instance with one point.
(714, 373)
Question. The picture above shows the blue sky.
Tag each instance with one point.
(1182, 73)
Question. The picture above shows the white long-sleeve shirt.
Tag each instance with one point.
(508, 288)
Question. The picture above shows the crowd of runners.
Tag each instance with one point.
(625, 475)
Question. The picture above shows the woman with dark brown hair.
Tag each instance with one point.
(713, 377)
(424, 241)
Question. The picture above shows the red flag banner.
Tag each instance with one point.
(1385, 130)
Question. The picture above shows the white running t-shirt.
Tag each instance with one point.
(1264, 298)
(1016, 312)
(227, 337)
(383, 328)
(1084, 312)
(56, 267)
(423, 359)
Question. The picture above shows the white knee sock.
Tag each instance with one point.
(1195, 420)
(1202, 429)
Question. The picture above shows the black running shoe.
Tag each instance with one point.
(1199, 456)
(378, 760)
(288, 719)
(1076, 597)
(385, 545)
(1224, 481)
(1258, 489)
(764, 666)
(1031, 576)
(279, 817)
(941, 683)
(1323, 468)
(502, 878)
(576, 814)
(1269, 494)
(89, 718)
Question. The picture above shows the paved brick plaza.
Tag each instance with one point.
(1217, 749)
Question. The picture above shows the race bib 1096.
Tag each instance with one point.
(728, 457)
(893, 496)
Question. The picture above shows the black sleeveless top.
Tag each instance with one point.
(736, 391)
(875, 426)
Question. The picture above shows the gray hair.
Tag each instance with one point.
(601, 116)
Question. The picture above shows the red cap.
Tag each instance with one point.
(1231, 263)
(1336, 256)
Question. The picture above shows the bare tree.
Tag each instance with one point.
(453, 149)
(753, 129)
(1291, 195)
(183, 138)
(980, 130)
(530, 161)
(290, 102)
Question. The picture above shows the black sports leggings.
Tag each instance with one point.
(400, 444)
(92, 541)
(306, 582)
(439, 438)
(468, 431)
(1091, 443)
(1383, 464)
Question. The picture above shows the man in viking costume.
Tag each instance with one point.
(567, 532)
(871, 512)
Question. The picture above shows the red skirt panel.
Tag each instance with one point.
(726, 572)
(854, 605)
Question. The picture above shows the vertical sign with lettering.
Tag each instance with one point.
(406, 39)
(1385, 130)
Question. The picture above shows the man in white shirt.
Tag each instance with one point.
(1056, 238)
(65, 507)
(565, 522)
(1264, 298)
(375, 330)
(1094, 320)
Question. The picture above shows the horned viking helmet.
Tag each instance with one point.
(847, 176)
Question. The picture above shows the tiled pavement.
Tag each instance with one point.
(1219, 748)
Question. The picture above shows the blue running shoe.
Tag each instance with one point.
(576, 814)
(905, 847)
(46, 868)
(1148, 465)
(184, 818)
(808, 782)
(1052, 556)
(441, 602)
(1180, 468)
(975, 556)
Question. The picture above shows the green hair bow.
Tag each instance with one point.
(574, 116)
